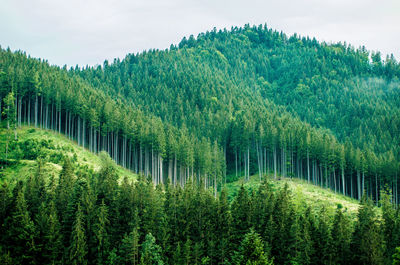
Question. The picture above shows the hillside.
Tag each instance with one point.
(235, 147)
(114, 214)
(51, 148)
(158, 113)
(326, 112)
(304, 194)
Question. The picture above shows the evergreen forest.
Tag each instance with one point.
(223, 107)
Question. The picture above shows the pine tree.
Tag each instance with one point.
(151, 252)
(9, 112)
(101, 234)
(78, 247)
(390, 226)
(129, 250)
(223, 228)
(341, 237)
(54, 246)
(251, 251)
(240, 216)
(367, 244)
(22, 233)
(285, 228)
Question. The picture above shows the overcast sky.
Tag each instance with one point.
(89, 31)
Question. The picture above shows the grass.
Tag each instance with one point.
(303, 194)
(59, 145)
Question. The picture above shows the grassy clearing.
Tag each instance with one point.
(56, 146)
(304, 194)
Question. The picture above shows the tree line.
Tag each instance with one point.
(38, 95)
(224, 105)
(86, 217)
(262, 93)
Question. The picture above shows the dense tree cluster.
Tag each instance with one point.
(86, 217)
(260, 94)
(38, 95)
(230, 103)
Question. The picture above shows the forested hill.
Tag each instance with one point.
(232, 102)
(258, 89)
(352, 92)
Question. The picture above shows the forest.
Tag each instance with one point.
(224, 105)
(216, 108)
(84, 217)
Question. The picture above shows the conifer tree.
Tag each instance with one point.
(22, 233)
(341, 237)
(101, 234)
(151, 252)
(391, 226)
(367, 243)
(129, 250)
(78, 246)
(240, 216)
(9, 113)
(251, 251)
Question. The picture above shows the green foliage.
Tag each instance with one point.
(206, 111)
(367, 242)
(251, 251)
(151, 252)
(78, 246)
(65, 221)
(396, 256)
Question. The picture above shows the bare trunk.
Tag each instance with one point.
(343, 184)
(308, 166)
(334, 177)
(275, 162)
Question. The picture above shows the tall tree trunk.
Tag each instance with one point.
(308, 166)
(358, 185)
(363, 181)
(343, 184)
(36, 110)
(334, 178)
(175, 180)
(275, 162)
(236, 162)
(248, 163)
(258, 161)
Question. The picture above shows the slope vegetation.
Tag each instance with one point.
(223, 105)
(34, 145)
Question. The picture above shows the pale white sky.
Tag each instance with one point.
(89, 31)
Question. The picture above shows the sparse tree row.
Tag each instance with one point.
(280, 146)
(36, 95)
(83, 217)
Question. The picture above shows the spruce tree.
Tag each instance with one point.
(22, 233)
(129, 249)
(240, 216)
(341, 237)
(151, 252)
(251, 251)
(367, 243)
(101, 234)
(78, 247)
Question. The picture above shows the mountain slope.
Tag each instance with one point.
(242, 67)
(50, 148)
(226, 104)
